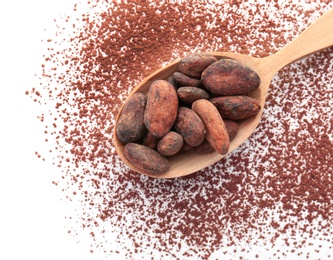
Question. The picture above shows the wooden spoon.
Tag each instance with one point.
(316, 37)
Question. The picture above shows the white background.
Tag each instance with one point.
(31, 214)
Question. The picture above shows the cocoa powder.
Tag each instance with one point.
(271, 198)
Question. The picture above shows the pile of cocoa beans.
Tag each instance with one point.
(198, 107)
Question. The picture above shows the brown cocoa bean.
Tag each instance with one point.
(161, 109)
(186, 147)
(146, 159)
(189, 125)
(130, 125)
(190, 94)
(204, 147)
(150, 140)
(172, 81)
(236, 107)
(232, 128)
(216, 132)
(170, 144)
(229, 77)
(195, 63)
(184, 80)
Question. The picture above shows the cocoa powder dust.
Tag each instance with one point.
(271, 198)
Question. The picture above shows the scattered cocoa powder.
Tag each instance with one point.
(271, 198)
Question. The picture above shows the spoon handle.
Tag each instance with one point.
(316, 37)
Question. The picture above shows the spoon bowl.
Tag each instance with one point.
(315, 38)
